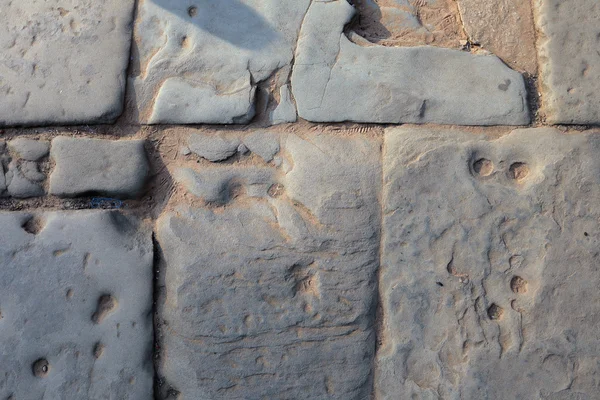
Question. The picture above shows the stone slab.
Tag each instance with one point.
(270, 286)
(84, 166)
(336, 80)
(75, 306)
(489, 269)
(570, 60)
(503, 27)
(63, 61)
(201, 62)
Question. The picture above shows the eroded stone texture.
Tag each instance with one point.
(570, 60)
(489, 268)
(91, 166)
(63, 61)
(504, 27)
(337, 80)
(58, 338)
(270, 288)
(200, 62)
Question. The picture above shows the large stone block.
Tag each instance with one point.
(335, 79)
(489, 271)
(570, 60)
(63, 61)
(75, 306)
(270, 287)
(200, 63)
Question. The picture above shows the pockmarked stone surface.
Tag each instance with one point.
(92, 166)
(21, 166)
(270, 287)
(200, 62)
(489, 266)
(75, 306)
(63, 61)
(335, 79)
(503, 27)
(570, 60)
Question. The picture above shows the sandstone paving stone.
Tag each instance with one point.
(489, 270)
(75, 306)
(92, 166)
(29, 149)
(570, 60)
(23, 182)
(214, 148)
(200, 62)
(264, 144)
(285, 112)
(271, 293)
(63, 61)
(335, 79)
(503, 27)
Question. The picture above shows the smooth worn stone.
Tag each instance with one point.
(29, 149)
(285, 112)
(22, 183)
(263, 144)
(489, 266)
(201, 62)
(91, 166)
(504, 27)
(63, 61)
(213, 147)
(75, 306)
(569, 54)
(336, 80)
(31, 171)
(271, 293)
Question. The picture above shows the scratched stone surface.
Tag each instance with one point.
(270, 287)
(489, 268)
(75, 306)
(63, 61)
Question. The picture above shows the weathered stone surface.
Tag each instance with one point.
(504, 27)
(63, 61)
(200, 63)
(75, 306)
(264, 144)
(20, 185)
(214, 147)
(337, 80)
(570, 60)
(29, 149)
(273, 295)
(489, 269)
(92, 166)
(285, 112)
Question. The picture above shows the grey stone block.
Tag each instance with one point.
(570, 60)
(29, 149)
(213, 147)
(272, 294)
(63, 61)
(336, 80)
(201, 62)
(20, 185)
(91, 166)
(263, 144)
(285, 112)
(75, 306)
(489, 266)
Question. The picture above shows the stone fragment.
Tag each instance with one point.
(263, 144)
(29, 149)
(54, 267)
(91, 166)
(21, 186)
(570, 60)
(63, 61)
(274, 295)
(488, 277)
(202, 66)
(504, 27)
(336, 80)
(213, 147)
(285, 112)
